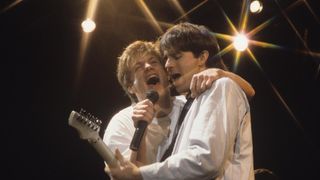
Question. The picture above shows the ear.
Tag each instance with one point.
(203, 57)
(131, 89)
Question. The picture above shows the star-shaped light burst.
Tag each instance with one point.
(239, 43)
(241, 40)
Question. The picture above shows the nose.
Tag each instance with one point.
(147, 66)
(169, 63)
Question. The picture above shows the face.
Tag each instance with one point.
(181, 66)
(148, 74)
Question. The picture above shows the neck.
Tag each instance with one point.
(165, 105)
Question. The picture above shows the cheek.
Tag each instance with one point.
(183, 67)
(189, 66)
(137, 78)
(139, 85)
(138, 90)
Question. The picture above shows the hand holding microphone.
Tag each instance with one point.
(141, 126)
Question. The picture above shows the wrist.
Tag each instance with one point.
(223, 73)
(137, 174)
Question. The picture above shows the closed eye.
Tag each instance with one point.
(176, 56)
(137, 67)
(154, 62)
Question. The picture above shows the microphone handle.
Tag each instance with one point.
(138, 134)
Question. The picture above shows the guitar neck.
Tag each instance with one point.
(104, 152)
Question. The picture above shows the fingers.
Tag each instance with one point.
(119, 157)
(198, 85)
(202, 81)
(114, 171)
(210, 81)
(193, 85)
(126, 169)
(143, 110)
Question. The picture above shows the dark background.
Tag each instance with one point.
(41, 56)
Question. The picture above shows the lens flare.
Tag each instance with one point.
(240, 42)
(88, 25)
(256, 6)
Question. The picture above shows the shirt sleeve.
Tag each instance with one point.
(119, 133)
(217, 116)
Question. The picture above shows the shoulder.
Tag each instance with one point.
(124, 112)
(223, 88)
(120, 128)
(225, 83)
(122, 117)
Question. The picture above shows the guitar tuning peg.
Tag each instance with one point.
(89, 116)
(82, 111)
(89, 123)
(99, 122)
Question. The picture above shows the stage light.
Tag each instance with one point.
(240, 42)
(256, 6)
(88, 25)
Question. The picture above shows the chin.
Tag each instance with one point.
(180, 90)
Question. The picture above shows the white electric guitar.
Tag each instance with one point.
(88, 127)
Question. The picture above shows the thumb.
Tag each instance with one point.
(106, 169)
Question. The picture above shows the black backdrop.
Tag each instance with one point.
(40, 56)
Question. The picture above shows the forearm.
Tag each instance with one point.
(203, 80)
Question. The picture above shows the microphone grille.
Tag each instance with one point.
(153, 96)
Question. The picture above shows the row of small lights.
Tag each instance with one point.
(240, 41)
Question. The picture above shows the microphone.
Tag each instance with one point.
(153, 96)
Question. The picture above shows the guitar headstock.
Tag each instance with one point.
(86, 124)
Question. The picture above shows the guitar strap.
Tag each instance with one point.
(184, 111)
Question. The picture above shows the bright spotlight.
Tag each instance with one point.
(256, 6)
(88, 25)
(240, 42)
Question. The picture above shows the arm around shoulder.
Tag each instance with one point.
(245, 85)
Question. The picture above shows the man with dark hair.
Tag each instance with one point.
(214, 141)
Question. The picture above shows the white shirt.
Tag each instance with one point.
(214, 141)
(120, 131)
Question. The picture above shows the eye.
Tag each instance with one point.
(154, 62)
(176, 56)
(137, 67)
